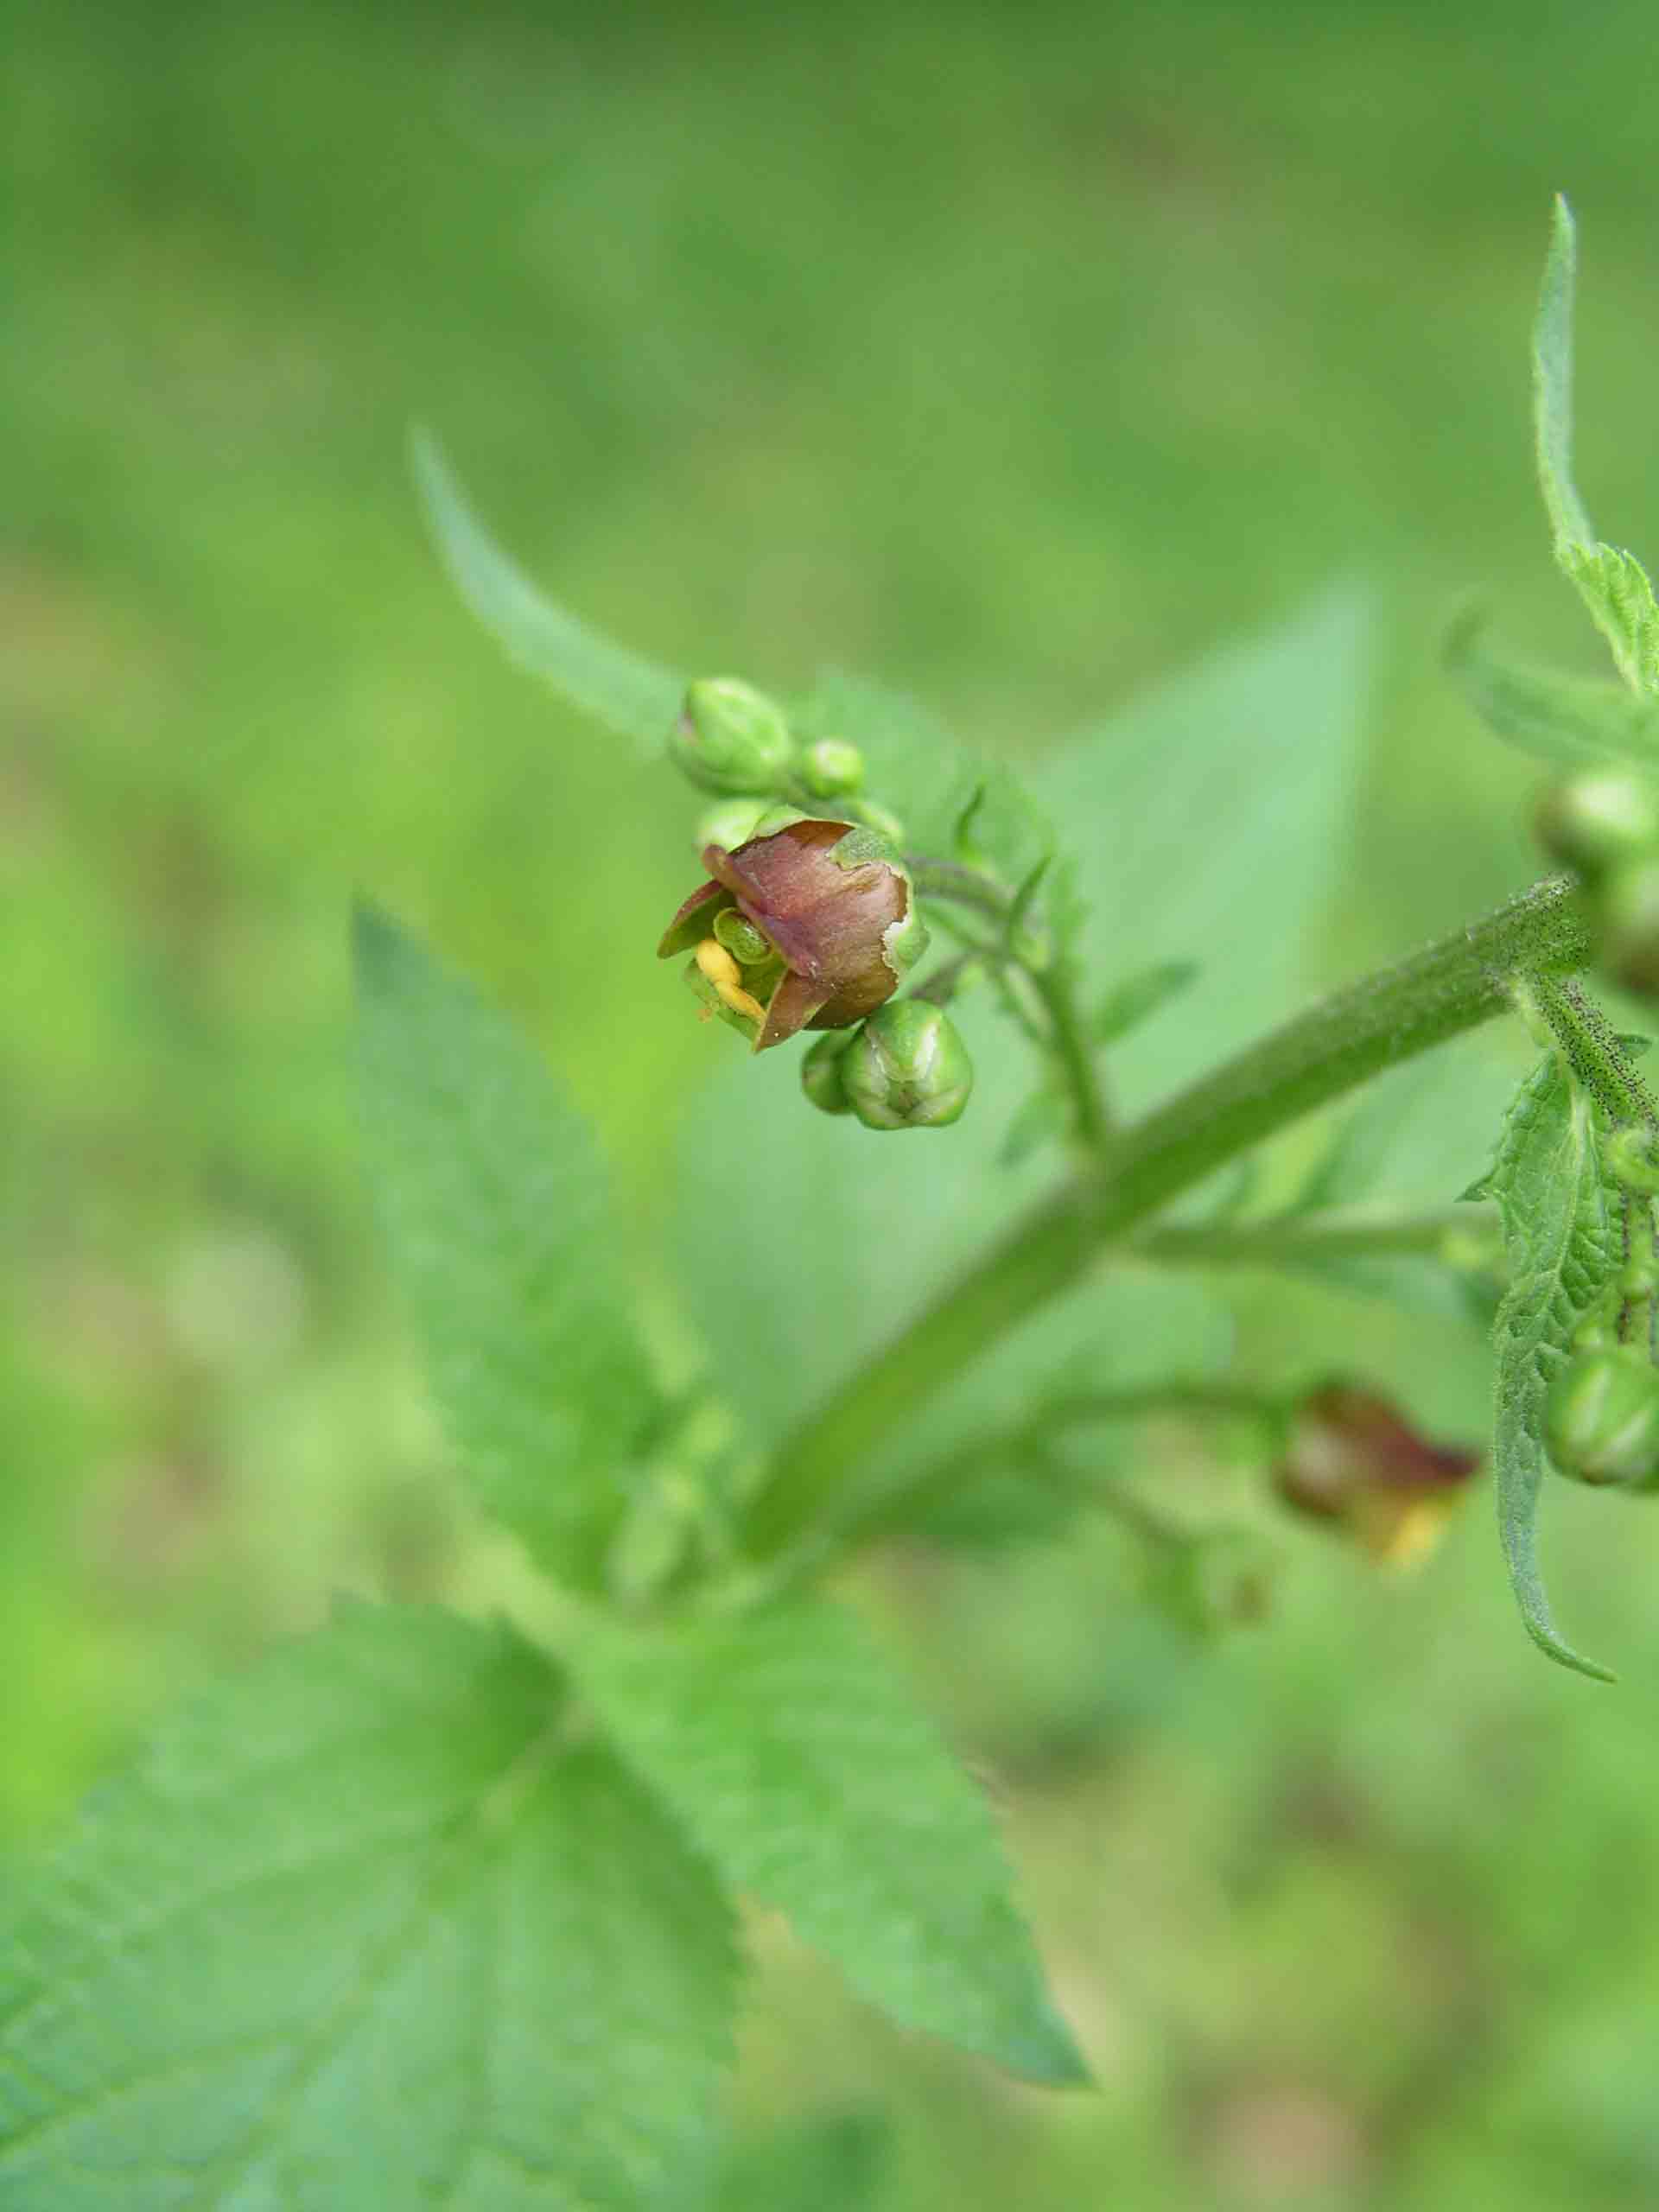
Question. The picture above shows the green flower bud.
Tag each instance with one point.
(831, 768)
(1601, 1419)
(732, 738)
(1628, 915)
(835, 909)
(821, 1073)
(907, 1068)
(731, 824)
(1594, 821)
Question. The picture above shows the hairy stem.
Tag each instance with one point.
(1450, 986)
(1592, 1048)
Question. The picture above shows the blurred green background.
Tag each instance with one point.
(1012, 355)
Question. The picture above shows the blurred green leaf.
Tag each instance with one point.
(831, 2164)
(1612, 583)
(1409, 1138)
(628, 694)
(358, 1930)
(871, 1226)
(1127, 1004)
(1558, 1203)
(495, 1209)
(1571, 720)
(932, 781)
(1224, 793)
(1044, 1116)
(806, 1771)
(1133, 1329)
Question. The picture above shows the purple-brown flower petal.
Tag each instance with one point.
(695, 920)
(1349, 1458)
(829, 915)
(792, 1006)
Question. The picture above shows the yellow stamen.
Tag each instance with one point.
(1403, 1532)
(723, 972)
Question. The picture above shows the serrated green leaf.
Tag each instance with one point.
(1570, 720)
(1615, 587)
(1612, 583)
(1227, 792)
(1559, 1207)
(359, 1930)
(620, 689)
(808, 1774)
(495, 1211)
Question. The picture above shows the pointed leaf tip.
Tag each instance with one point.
(1048, 2054)
(1552, 1646)
(629, 694)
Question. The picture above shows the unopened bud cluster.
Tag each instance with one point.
(1605, 824)
(1601, 1418)
(734, 741)
(1601, 1411)
(906, 1068)
(808, 920)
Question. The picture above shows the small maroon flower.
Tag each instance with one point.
(1350, 1459)
(809, 927)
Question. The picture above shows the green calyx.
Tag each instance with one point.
(821, 1072)
(1601, 1419)
(732, 738)
(907, 1068)
(729, 825)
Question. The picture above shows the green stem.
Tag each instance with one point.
(1052, 983)
(888, 1511)
(1591, 1048)
(1076, 1057)
(967, 886)
(1449, 986)
(1345, 1233)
